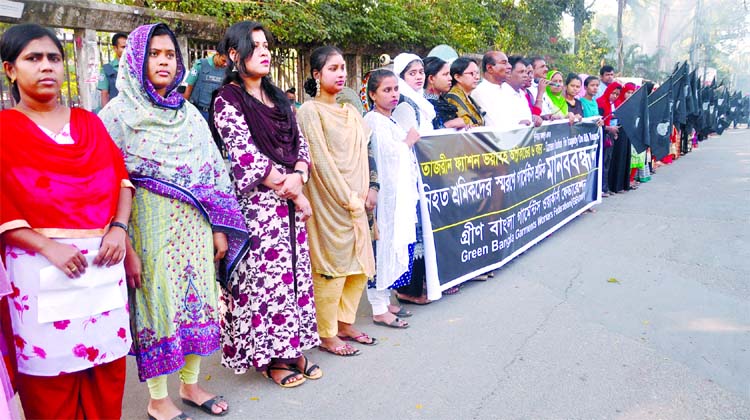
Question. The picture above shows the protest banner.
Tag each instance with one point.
(487, 196)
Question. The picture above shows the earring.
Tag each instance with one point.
(317, 87)
(12, 80)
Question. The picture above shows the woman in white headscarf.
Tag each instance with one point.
(413, 110)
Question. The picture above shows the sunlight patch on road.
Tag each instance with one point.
(715, 325)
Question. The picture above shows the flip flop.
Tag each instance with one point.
(452, 291)
(206, 406)
(396, 323)
(359, 339)
(285, 381)
(181, 416)
(338, 351)
(307, 372)
(403, 313)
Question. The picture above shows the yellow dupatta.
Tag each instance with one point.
(338, 232)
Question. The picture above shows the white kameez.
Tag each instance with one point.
(49, 343)
(397, 200)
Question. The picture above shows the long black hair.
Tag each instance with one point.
(240, 38)
(318, 60)
(16, 38)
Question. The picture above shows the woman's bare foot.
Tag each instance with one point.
(196, 394)
(389, 320)
(337, 346)
(283, 374)
(348, 331)
(421, 300)
(313, 371)
(163, 409)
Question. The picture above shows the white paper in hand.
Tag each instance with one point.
(97, 290)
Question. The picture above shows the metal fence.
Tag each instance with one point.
(69, 94)
(286, 66)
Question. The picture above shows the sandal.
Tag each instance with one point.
(311, 372)
(339, 351)
(285, 382)
(181, 416)
(207, 405)
(452, 291)
(396, 323)
(403, 312)
(361, 339)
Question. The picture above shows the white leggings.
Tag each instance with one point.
(379, 300)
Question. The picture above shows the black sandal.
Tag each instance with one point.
(207, 405)
(308, 370)
(285, 382)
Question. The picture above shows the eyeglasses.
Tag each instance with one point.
(471, 73)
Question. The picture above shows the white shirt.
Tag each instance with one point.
(488, 96)
(514, 108)
(534, 88)
(505, 107)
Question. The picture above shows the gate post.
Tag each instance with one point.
(87, 68)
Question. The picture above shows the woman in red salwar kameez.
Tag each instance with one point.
(63, 219)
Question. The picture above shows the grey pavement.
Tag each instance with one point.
(550, 337)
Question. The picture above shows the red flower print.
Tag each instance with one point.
(121, 333)
(91, 353)
(40, 352)
(19, 342)
(16, 291)
(61, 325)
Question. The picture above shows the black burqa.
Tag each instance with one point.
(619, 166)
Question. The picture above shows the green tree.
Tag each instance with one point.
(594, 48)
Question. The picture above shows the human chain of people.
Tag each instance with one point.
(228, 219)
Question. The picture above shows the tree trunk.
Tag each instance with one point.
(620, 53)
(579, 19)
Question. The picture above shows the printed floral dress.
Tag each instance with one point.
(270, 312)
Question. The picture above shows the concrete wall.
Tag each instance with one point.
(94, 15)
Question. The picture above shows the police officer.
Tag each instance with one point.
(204, 78)
(108, 75)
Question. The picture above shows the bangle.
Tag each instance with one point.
(122, 226)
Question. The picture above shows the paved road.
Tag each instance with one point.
(550, 337)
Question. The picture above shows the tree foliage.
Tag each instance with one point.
(395, 25)
(591, 54)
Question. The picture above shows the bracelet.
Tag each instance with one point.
(122, 226)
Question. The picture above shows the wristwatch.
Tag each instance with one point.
(303, 174)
